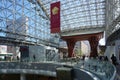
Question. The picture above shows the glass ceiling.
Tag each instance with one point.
(79, 13)
(29, 20)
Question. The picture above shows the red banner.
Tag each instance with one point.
(55, 17)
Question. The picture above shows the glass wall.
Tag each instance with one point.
(24, 19)
(112, 15)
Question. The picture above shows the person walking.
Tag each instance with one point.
(114, 59)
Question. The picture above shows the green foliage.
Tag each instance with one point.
(78, 52)
(101, 52)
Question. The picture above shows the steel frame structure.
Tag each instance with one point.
(82, 14)
(25, 19)
(112, 16)
(79, 13)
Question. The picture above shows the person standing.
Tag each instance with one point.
(34, 57)
(114, 59)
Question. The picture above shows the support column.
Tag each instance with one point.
(93, 44)
(70, 45)
(22, 77)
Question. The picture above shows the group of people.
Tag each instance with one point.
(113, 59)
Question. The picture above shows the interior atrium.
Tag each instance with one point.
(59, 39)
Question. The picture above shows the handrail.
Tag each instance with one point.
(82, 72)
(114, 74)
(104, 69)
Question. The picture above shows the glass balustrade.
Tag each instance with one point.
(104, 69)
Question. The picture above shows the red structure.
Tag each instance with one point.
(92, 38)
(70, 44)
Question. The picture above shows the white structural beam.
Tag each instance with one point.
(113, 24)
(79, 31)
(42, 6)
